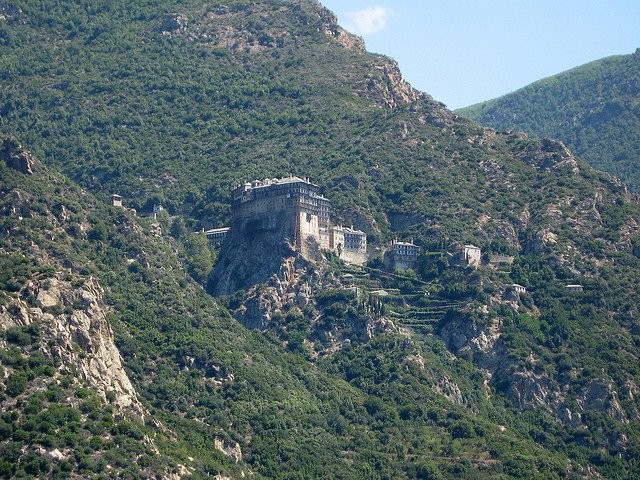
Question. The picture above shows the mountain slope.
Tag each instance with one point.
(594, 109)
(173, 103)
(184, 130)
(221, 107)
(199, 394)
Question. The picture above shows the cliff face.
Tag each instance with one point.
(525, 384)
(251, 256)
(227, 26)
(67, 308)
(291, 297)
(71, 315)
(292, 286)
(16, 157)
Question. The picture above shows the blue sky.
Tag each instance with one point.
(465, 51)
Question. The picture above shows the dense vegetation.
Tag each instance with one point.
(594, 109)
(171, 102)
(204, 376)
(178, 119)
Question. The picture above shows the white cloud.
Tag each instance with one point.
(368, 20)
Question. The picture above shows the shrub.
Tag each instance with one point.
(427, 471)
(16, 384)
(463, 429)
(6, 430)
(18, 336)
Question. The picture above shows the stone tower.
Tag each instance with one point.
(290, 207)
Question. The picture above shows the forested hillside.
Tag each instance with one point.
(197, 394)
(116, 362)
(594, 109)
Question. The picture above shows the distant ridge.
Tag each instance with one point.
(594, 109)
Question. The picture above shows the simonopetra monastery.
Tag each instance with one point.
(296, 206)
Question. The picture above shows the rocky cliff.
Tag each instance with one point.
(524, 382)
(232, 26)
(71, 315)
(68, 308)
(291, 298)
(16, 156)
(249, 257)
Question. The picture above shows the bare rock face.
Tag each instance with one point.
(600, 395)
(16, 156)
(230, 449)
(294, 287)
(330, 27)
(550, 155)
(386, 85)
(543, 241)
(74, 319)
(345, 38)
(17, 205)
(363, 220)
(174, 22)
(527, 387)
(449, 389)
(245, 261)
(481, 341)
(488, 227)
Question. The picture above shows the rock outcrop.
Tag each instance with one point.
(387, 86)
(525, 386)
(292, 285)
(228, 448)
(226, 26)
(244, 262)
(600, 395)
(16, 156)
(8, 10)
(174, 23)
(449, 389)
(482, 343)
(551, 155)
(296, 286)
(73, 319)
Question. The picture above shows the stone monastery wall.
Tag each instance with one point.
(292, 207)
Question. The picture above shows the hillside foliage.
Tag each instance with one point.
(172, 102)
(594, 109)
(203, 376)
